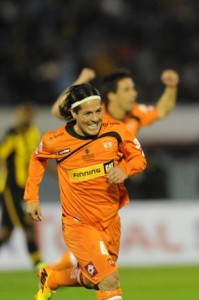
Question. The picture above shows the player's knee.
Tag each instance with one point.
(85, 282)
(89, 285)
(110, 283)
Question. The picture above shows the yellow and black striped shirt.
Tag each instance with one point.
(16, 148)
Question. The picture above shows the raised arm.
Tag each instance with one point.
(167, 100)
(85, 76)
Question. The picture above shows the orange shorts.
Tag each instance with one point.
(95, 250)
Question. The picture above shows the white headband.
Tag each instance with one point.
(95, 97)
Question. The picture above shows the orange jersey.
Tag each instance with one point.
(140, 116)
(82, 163)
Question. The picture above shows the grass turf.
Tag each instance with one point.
(168, 283)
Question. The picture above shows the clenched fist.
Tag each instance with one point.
(116, 175)
(170, 78)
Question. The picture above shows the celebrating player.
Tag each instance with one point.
(94, 154)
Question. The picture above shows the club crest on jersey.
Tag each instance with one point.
(88, 156)
(107, 145)
(86, 151)
(63, 151)
(91, 269)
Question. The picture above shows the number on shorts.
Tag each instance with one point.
(103, 248)
(137, 143)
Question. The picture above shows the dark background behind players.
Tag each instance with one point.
(43, 47)
(45, 44)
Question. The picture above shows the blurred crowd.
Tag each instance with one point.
(45, 43)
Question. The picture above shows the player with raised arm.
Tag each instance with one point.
(119, 97)
(101, 154)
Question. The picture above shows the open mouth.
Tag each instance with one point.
(93, 126)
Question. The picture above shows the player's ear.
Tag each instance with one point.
(111, 96)
(73, 113)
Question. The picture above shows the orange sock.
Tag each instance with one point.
(67, 277)
(109, 295)
(68, 260)
(98, 295)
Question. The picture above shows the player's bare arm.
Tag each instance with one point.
(85, 76)
(167, 101)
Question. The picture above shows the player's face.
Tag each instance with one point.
(126, 94)
(89, 118)
(24, 115)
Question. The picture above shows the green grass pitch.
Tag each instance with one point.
(158, 283)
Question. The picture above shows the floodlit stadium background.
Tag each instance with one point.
(44, 45)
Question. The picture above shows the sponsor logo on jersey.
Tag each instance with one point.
(86, 173)
(63, 151)
(145, 108)
(39, 149)
(59, 134)
(91, 269)
(137, 143)
(110, 123)
(41, 146)
(88, 156)
(55, 136)
(108, 166)
(111, 262)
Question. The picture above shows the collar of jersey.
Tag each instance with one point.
(72, 132)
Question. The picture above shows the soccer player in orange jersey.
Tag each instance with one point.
(94, 155)
(119, 96)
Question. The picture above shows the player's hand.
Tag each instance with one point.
(116, 175)
(86, 76)
(34, 210)
(170, 78)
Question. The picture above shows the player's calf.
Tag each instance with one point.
(109, 288)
